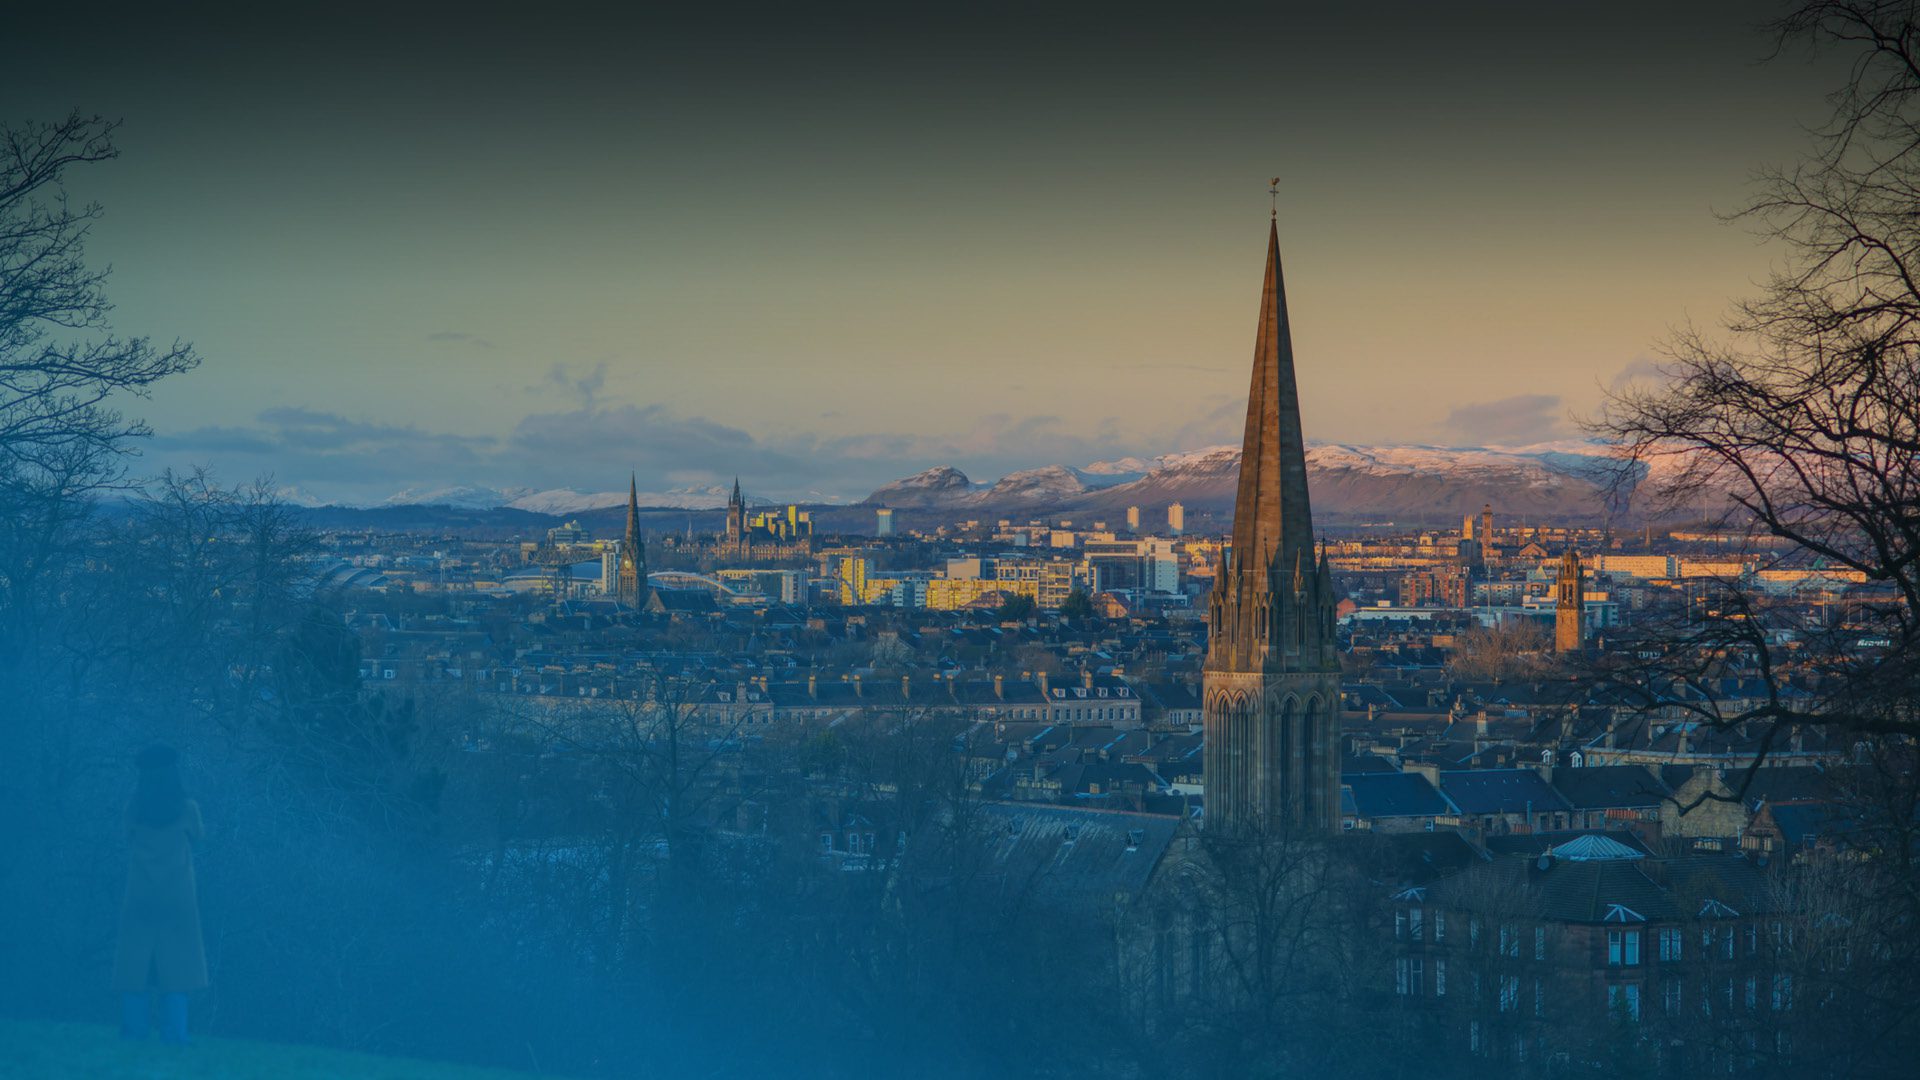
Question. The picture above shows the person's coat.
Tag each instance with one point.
(160, 946)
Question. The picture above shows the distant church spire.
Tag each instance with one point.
(1271, 692)
(630, 583)
(633, 509)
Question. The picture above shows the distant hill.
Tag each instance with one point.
(1562, 482)
(1566, 482)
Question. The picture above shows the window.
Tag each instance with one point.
(1782, 993)
(1539, 943)
(1414, 924)
(1418, 975)
(1509, 993)
(1753, 993)
(1670, 996)
(1633, 948)
(1623, 1000)
(1402, 976)
(1753, 941)
(1399, 925)
(1439, 975)
(1539, 998)
(1439, 926)
(1509, 940)
(826, 842)
(1670, 945)
(1473, 933)
(1614, 949)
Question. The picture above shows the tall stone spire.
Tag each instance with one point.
(1271, 692)
(633, 510)
(630, 584)
(1272, 520)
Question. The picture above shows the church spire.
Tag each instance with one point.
(633, 510)
(1270, 692)
(1272, 520)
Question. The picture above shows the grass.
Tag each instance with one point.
(37, 1048)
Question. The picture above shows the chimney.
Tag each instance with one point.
(813, 685)
(906, 691)
(1000, 687)
(857, 692)
(1423, 768)
(1480, 724)
(1086, 679)
(1044, 692)
(1613, 727)
(1799, 741)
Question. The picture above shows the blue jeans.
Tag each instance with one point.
(134, 1016)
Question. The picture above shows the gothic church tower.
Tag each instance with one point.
(630, 584)
(1271, 690)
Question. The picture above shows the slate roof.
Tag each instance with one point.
(1603, 891)
(1388, 795)
(1500, 791)
(1610, 787)
(1072, 856)
(1533, 844)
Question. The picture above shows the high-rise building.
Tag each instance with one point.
(883, 521)
(1271, 691)
(1486, 529)
(1568, 607)
(1176, 519)
(1133, 519)
(630, 572)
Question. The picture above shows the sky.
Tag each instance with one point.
(822, 247)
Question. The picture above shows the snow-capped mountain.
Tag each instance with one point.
(1567, 480)
(940, 486)
(551, 501)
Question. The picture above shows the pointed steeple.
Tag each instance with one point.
(1271, 686)
(633, 510)
(1272, 518)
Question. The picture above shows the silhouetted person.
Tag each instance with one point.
(160, 947)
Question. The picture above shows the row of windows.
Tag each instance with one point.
(1623, 946)
(1410, 924)
(1409, 980)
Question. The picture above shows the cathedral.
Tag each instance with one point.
(1271, 692)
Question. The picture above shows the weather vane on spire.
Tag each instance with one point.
(1273, 189)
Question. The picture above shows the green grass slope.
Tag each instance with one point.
(36, 1049)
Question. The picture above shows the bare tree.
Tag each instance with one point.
(59, 364)
(1805, 413)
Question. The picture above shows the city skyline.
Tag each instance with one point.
(434, 258)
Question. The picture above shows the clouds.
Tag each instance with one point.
(591, 445)
(594, 446)
(1640, 369)
(1517, 420)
